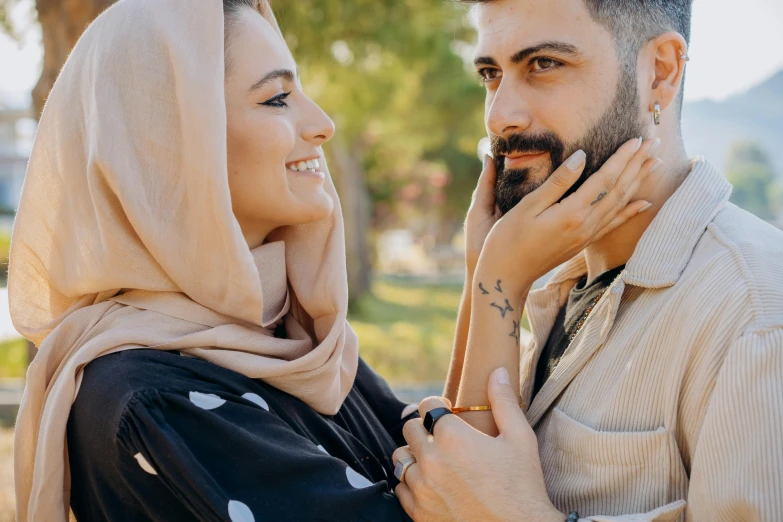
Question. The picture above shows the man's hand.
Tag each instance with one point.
(482, 215)
(462, 474)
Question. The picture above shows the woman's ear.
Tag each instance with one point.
(669, 53)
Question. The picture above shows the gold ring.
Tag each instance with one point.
(402, 467)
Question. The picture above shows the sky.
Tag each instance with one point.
(734, 46)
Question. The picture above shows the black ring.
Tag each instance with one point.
(433, 416)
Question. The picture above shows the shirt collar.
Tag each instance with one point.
(666, 247)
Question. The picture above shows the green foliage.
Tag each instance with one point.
(404, 102)
(5, 248)
(756, 188)
(13, 359)
(6, 24)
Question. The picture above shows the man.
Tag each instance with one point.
(652, 388)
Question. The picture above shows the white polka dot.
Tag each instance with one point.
(144, 464)
(206, 401)
(409, 409)
(252, 397)
(323, 449)
(356, 480)
(239, 512)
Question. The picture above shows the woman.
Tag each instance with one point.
(178, 257)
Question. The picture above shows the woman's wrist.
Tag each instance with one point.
(514, 286)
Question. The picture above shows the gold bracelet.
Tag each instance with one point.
(476, 408)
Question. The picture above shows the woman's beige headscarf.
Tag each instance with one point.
(125, 238)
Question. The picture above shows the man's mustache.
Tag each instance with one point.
(522, 143)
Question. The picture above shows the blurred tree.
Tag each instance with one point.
(751, 173)
(62, 23)
(406, 108)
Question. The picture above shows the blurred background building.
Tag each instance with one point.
(395, 77)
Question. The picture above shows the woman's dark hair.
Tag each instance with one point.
(231, 9)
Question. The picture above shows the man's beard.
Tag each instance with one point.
(619, 123)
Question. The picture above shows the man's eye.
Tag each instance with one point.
(487, 75)
(544, 64)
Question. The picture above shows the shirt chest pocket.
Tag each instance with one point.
(608, 473)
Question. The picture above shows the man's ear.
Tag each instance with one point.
(668, 54)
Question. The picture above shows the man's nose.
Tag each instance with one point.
(508, 113)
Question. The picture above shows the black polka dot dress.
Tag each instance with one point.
(158, 436)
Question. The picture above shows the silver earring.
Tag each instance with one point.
(685, 57)
(657, 113)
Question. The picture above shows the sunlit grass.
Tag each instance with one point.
(406, 329)
(7, 500)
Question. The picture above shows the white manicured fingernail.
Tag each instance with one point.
(655, 145)
(501, 376)
(646, 207)
(576, 160)
(639, 144)
(655, 167)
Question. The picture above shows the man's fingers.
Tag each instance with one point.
(413, 472)
(402, 451)
(405, 496)
(430, 403)
(415, 435)
(509, 417)
(555, 187)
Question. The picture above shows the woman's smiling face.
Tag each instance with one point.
(276, 169)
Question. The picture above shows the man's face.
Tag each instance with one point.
(554, 85)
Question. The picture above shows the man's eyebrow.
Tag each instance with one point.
(485, 60)
(552, 47)
(285, 74)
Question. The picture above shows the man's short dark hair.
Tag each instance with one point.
(633, 23)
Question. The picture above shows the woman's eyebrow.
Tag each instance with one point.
(285, 74)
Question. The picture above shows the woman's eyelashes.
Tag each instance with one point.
(277, 101)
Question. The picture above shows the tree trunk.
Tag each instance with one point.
(62, 23)
(355, 201)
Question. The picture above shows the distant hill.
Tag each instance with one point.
(710, 127)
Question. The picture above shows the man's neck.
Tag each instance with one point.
(617, 247)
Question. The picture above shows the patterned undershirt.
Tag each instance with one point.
(581, 298)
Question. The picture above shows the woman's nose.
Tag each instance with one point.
(318, 127)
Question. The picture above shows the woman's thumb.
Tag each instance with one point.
(509, 417)
(485, 190)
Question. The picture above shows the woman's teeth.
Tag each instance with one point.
(302, 166)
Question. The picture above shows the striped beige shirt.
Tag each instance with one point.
(668, 405)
